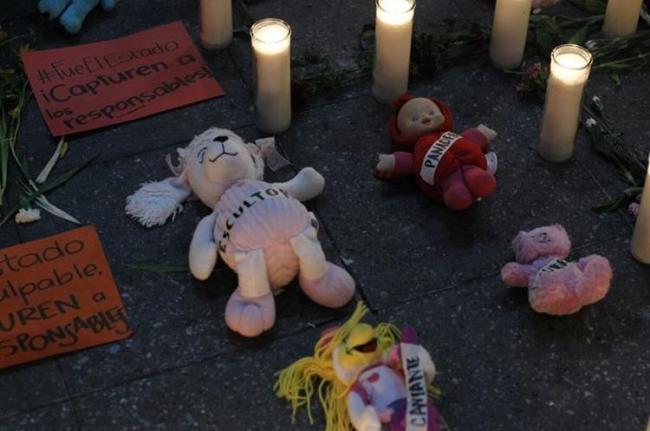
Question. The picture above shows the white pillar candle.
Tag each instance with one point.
(216, 23)
(393, 31)
(622, 17)
(509, 32)
(641, 237)
(271, 40)
(570, 68)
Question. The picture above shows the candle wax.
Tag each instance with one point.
(272, 43)
(622, 17)
(216, 23)
(509, 32)
(564, 92)
(641, 237)
(393, 30)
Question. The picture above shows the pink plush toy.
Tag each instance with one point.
(555, 286)
(260, 229)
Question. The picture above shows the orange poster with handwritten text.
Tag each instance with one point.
(57, 295)
(85, 87)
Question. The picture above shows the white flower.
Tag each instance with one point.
(591, 122)
(28, 215)
(596, 100)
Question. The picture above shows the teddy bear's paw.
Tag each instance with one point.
(489, 134)
(385, 166)
(479, 181)
(598, 275)
(308, 184)
(456, 195)
(334, 289)
(250, 316)
(54, 8)
(554, 300)
(514, 275)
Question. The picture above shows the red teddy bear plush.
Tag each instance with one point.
(450, 168)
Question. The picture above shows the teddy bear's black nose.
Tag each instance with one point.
(220, 139)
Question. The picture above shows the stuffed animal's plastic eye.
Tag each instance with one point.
(201, 154)
(415, 118)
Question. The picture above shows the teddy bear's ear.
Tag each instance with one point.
(560, 228)
(517, 242)
(564, 242)
(154, 202)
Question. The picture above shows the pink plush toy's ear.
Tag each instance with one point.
(561, 230)
(540, 242)
(525, 248)
(518, 242)
(563, 242)
(154, 202)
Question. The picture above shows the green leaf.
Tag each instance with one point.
(544, 41)
(246, 16)
(9, 214)
(592, 6)
(64, 149)
(628, 196)
(580, 36)
(63, 178)
(611, 205)
(616, 78)
(596, 6)
(618, 66)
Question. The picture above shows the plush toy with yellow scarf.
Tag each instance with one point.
(366, 377)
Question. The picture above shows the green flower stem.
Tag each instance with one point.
(622, 61)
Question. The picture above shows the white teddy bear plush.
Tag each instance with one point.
(260, 229)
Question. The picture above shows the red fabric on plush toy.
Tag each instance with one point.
(450, 168)
(463, 166)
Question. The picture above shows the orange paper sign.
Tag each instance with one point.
(57, 295)
(95, 85)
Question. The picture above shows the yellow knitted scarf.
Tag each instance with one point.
(299, 381)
